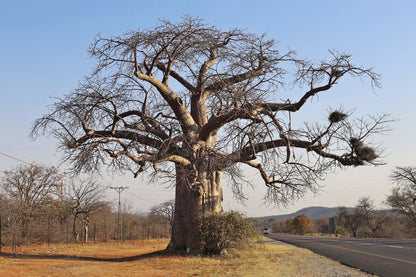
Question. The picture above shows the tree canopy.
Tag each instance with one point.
(403, 195)
(29, 189)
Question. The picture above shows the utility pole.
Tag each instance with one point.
(119, 225)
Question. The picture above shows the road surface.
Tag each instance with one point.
(383, 257)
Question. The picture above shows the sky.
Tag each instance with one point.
(43, 54)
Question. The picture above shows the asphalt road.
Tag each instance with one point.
(383, 257)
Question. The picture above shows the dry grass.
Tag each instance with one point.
(140, 258)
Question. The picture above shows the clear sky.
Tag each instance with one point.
(43, 54)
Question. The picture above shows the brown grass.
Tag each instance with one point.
(146, 258)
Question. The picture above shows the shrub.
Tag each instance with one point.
(222, 231)
(340, 231)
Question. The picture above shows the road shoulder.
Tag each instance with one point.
(311, 264)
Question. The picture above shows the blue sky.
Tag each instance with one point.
(43, 54)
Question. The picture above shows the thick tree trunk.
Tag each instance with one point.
(192, 201)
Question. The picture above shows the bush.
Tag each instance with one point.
(340, 231)
(222, 231)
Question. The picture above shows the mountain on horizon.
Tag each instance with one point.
(311, 212)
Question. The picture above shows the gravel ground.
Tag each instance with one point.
(316, 265)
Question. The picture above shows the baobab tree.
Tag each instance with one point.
(189, 101)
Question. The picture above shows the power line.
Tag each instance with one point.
(144, 199)
(14, 158)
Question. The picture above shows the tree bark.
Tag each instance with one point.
(354, 233)
(86, 225)
(192, 201)
(74, 229)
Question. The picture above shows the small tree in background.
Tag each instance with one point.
(287, 226)
(84, 197)
(166, 210)
(352, 221)
(372, 218)
(403, 196)
(363, 218)
(302, 224)
(29, 188)
(320, 225)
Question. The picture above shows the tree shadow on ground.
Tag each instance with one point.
(156, 254)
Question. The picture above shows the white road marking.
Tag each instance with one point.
(393, 246)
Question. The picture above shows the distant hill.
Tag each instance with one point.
(311, 212)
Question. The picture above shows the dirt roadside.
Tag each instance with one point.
(268, 258)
